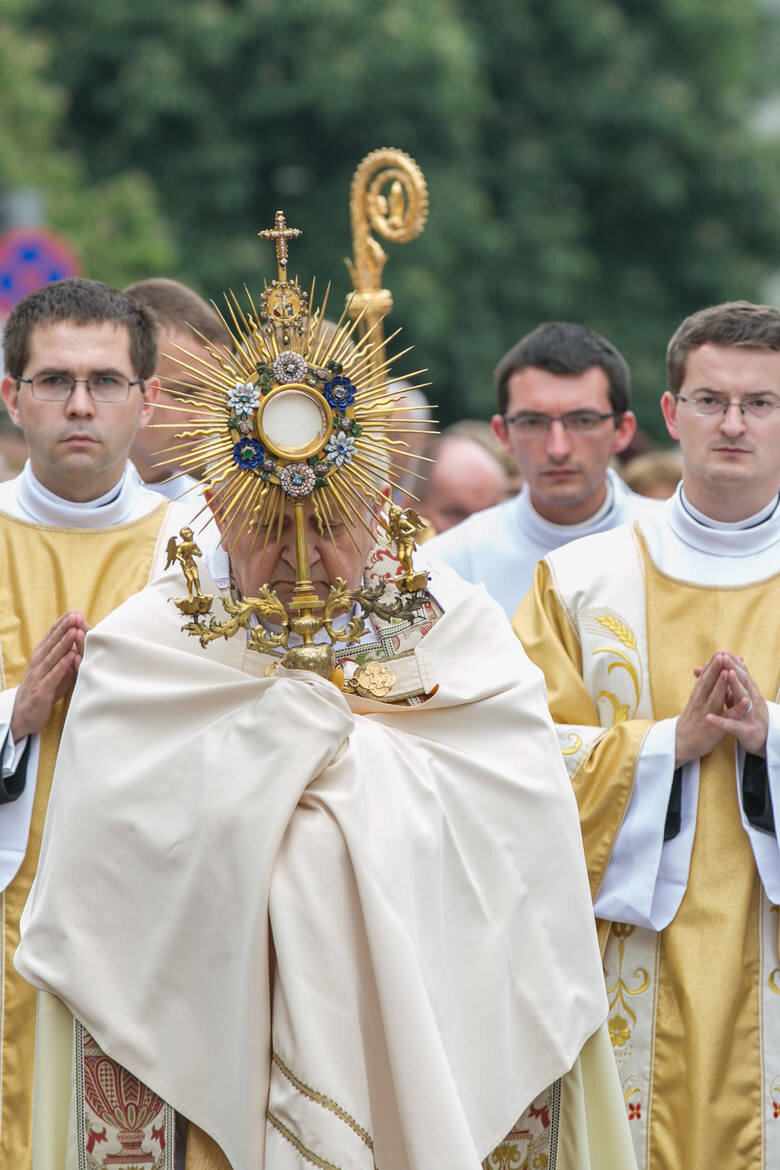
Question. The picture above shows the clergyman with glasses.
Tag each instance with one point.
(659, 643)
(563, 411)
(78, 535)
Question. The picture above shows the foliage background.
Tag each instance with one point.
(615, 164)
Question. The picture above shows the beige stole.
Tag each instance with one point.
(46, 571)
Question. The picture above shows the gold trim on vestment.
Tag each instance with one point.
(306, 1153)
(326, 1102)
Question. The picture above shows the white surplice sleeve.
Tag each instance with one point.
(766, 846)
(11, 751)
(18, 770)
(646, 877)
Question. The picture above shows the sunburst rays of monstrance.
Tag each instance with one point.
(301, 414)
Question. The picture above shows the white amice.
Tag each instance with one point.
(500, 546)
(25, 498)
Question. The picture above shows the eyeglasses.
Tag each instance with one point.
(579, 421)
(707, 405)
(101, 387)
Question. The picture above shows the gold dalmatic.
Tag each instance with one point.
(694, 1009)
(90, 570)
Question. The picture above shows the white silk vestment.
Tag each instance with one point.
(618, 622)
(323, 928)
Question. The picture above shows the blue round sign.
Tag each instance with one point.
(29, 258)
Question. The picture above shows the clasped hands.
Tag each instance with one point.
(724, 700)
(50, 674)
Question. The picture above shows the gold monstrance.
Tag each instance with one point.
(298, 415)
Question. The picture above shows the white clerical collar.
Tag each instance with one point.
(729, 525)
(27, 499)
(740, 538)
(562, 533)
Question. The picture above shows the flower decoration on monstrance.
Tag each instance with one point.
(249, 454)
(300, 408)
(243, 399)
(339, 448)
(340, 392)
(297, 480)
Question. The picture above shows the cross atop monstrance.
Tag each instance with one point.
(281, 233)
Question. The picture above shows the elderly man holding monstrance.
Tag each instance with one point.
(312, 877)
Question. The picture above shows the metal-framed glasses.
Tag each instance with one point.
(707, 405)
(101, 387)
(531, 422)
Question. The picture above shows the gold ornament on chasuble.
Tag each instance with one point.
(621, 653)
(617, 663)
(300, 418)
(49, 570)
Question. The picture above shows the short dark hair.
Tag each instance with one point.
(179, 307)
(561, 347)
(737, 323)
(84, 302)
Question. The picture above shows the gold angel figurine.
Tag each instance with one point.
(184, 554)
(402, 526)
(195, 603)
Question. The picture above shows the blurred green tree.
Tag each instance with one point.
(599, 164)
(113, 220)
(628, 176)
